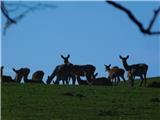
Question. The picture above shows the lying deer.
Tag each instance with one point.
(5, 78)
(22, 73)
(82, 82)
(134, 70)
(100, 81)
(115, 73)
(37, 77)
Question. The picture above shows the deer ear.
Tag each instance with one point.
(127, 57)
(96, 74)
(120, 57)
(68, 56)
(109, 65)
(62, 56)
(14, 70)
(2, 67)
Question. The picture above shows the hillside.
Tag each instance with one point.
(60, 102)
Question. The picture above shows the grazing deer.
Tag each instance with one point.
(22, 73)
(80, 70)
(37, 77)
(61, 72)
(134, 70)
(115, 73)
(5, 78)
(69, 69)
(100, 81)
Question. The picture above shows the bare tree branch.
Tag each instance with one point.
(154, 18)
(26, 9)
(5, 13)
(136, 21)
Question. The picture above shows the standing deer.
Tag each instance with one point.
(67, 71)
(22, 73)
(5, 78)
(134, 70)
(79, 70)
(61, 72)
(115, 73)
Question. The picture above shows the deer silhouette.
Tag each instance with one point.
(37, 77)
(100, 81)
(82, 82)
(67, 71)
(134, 70)
(79, 70)
(61, 72)
(115, 73)
(5, 78)
(22, 73)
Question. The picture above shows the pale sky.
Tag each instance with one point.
(91, 32)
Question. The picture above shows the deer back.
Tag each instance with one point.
(138, 69)
(38, 75)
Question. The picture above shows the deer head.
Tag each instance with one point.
(124, 59)
(107, 67)
(65, 58)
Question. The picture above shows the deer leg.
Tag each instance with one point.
(145, 80)
(115, 81)
(73, 79)
(142, 79)
(57, 80)
(63, 82)
(19, 78)
(88, 76)
(48, 80)
(131, 81)
(118, 78)
(67, 81)
(123, 79)
(25, 79)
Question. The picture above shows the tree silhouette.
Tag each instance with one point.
(8, 8)
(147, 30)
(30, 8)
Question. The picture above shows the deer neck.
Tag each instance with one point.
(126, 66)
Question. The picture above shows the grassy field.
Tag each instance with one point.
(60, 102)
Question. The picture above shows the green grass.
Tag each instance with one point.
(52, 102)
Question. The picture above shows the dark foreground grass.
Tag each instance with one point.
(52, 102)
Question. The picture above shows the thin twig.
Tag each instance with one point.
(136, 21)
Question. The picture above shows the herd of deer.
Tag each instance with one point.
(68, 71)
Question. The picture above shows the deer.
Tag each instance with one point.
(82, 82)
(67, 71)
(115, 73)
(79, 70)
(100, 81)
(37, 77)
(22, 73)
(61, 72)
(5, 78)
(134, 70)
